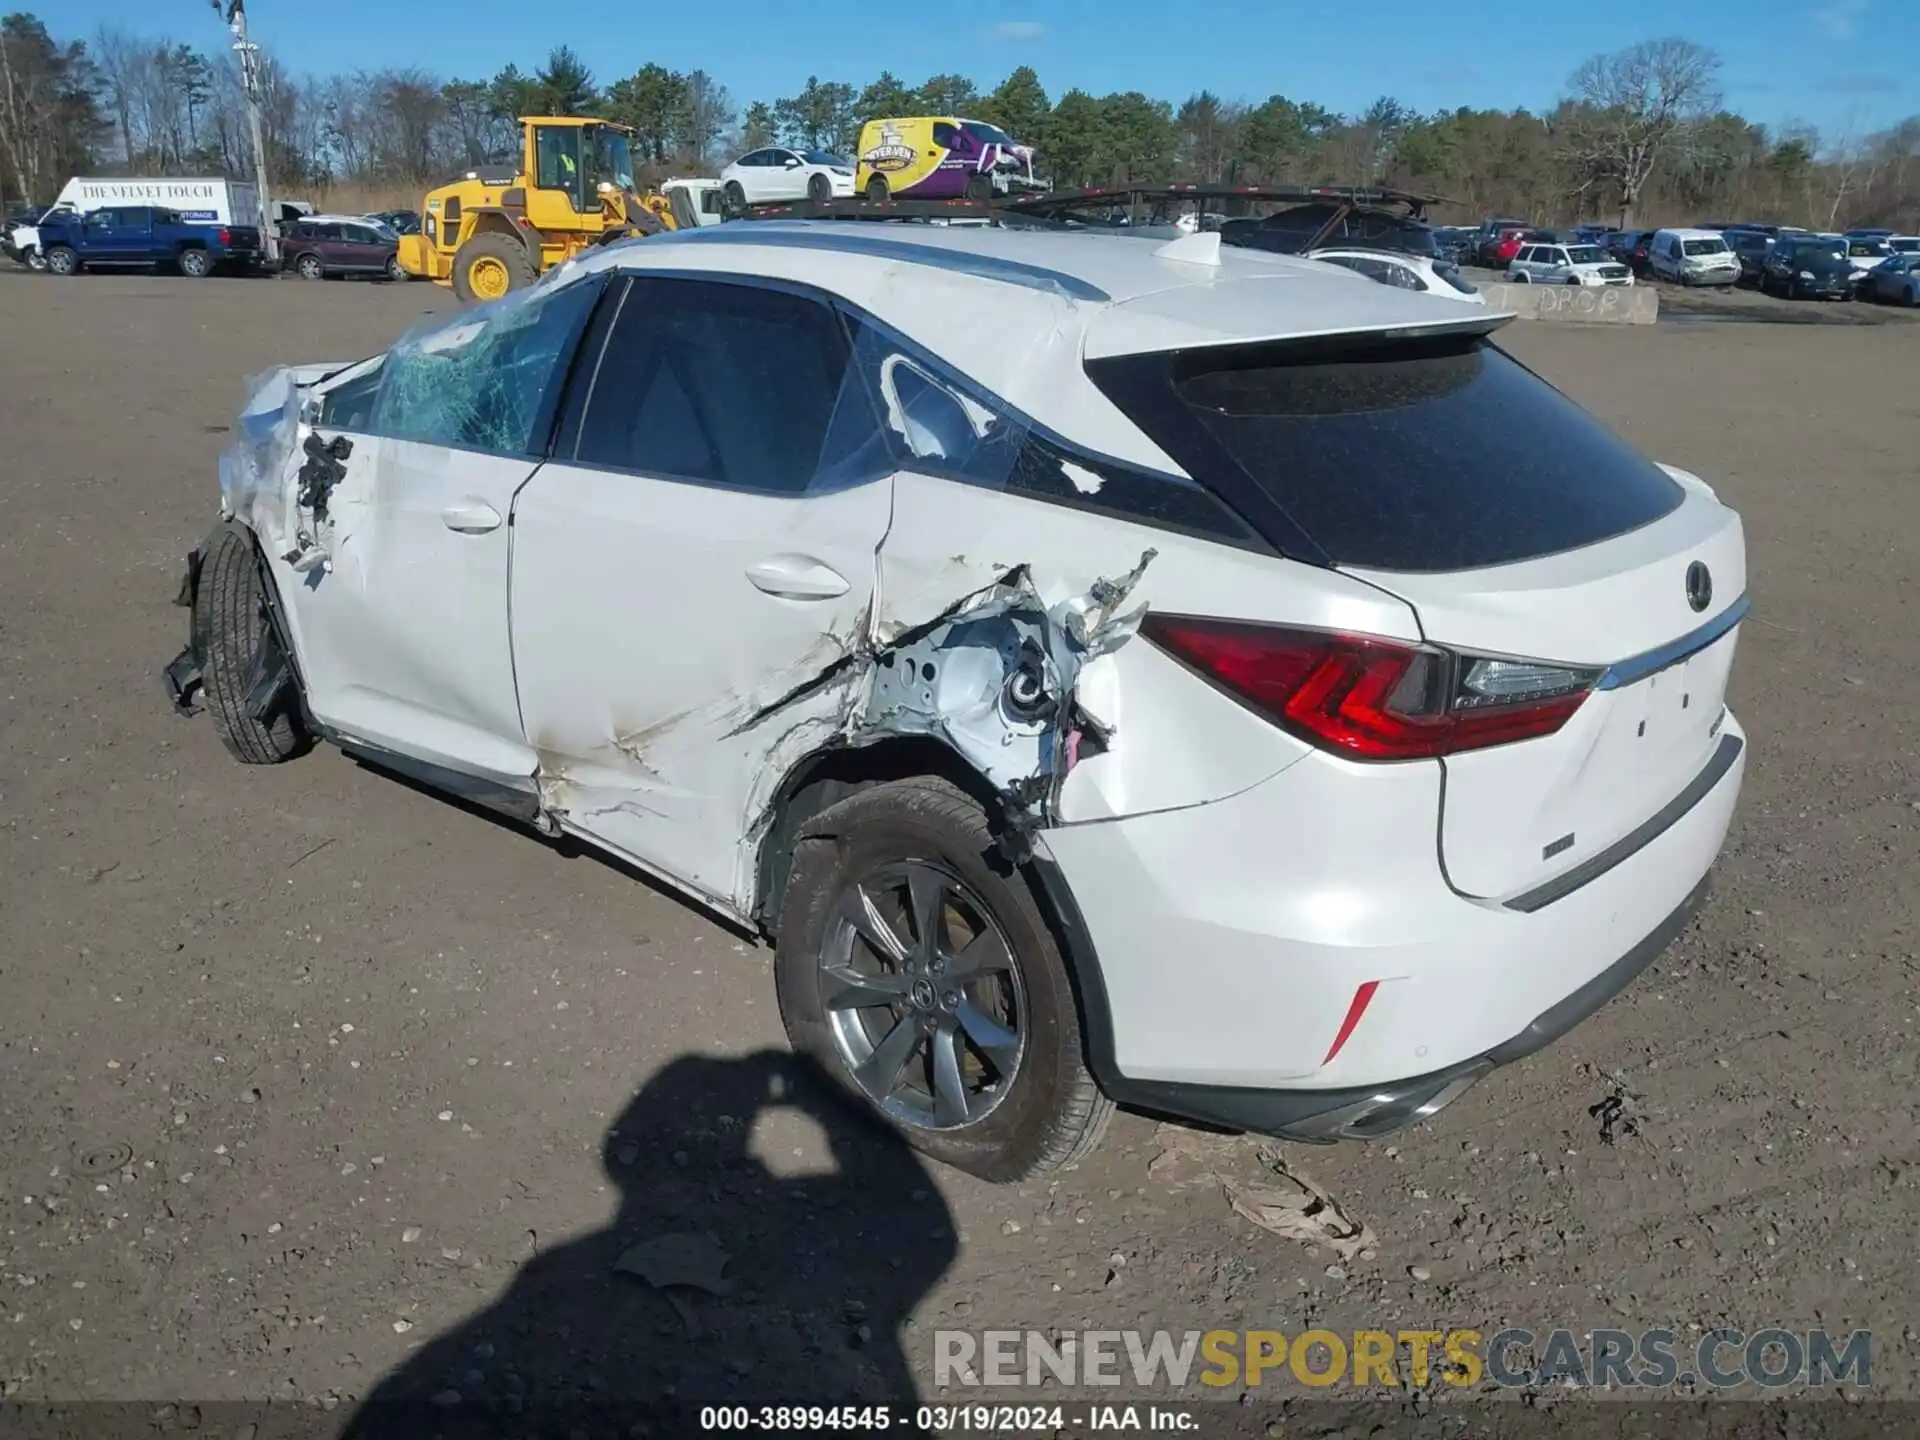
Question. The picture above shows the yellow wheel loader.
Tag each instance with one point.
(498, 228)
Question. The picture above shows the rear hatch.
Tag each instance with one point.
(1548, 563)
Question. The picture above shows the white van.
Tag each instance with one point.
(198, 201)
(1693, 257)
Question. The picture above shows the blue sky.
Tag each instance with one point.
(1838, 64)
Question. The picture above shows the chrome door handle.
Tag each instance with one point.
(471, 517)
(797, 577)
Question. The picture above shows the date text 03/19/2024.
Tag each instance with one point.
(945, 1419)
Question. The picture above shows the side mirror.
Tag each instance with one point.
(793, 162)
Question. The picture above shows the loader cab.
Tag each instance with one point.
(567, 162)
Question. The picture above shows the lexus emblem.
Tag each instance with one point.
(1699, 586)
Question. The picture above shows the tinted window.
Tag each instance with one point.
(730, 384)
(1434, 454)
(945, 136)
(484, 379)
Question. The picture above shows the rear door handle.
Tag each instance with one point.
(797, 577)
(471, 517)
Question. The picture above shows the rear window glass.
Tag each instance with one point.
(1441, 453)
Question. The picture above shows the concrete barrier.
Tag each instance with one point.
(1608, 305)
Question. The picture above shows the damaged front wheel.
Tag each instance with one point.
(248, 676)
(914, 964)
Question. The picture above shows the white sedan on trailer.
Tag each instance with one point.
(1108, 671)
(777, 173)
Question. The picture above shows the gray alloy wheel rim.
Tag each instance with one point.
(309, 268)
(192, 265)
(928, 1015)
(59, 263)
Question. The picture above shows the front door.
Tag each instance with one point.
(403, 629)
(690, 568)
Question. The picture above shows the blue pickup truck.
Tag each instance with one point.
(148, 236)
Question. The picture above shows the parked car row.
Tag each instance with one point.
(1781, 260)
(66, 241)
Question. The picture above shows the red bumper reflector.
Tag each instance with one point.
(1362, 998)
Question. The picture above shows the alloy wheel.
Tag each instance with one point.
(923, 996)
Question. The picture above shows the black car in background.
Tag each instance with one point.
(1293, 229)
(1751, 246)
(1807, 266)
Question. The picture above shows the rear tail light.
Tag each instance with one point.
(1374, 699)
(226, 236)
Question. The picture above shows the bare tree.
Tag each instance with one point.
(1632, 106)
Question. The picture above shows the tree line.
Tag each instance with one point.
(1641, 132)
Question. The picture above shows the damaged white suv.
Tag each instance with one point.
(1110, 671)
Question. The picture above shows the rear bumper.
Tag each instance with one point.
(1223, 948)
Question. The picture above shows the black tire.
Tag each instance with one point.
(395, 271)
(229, 624)
(733, 200)
(1051, 1113)
(819, 188)
(979, 187)
(310, 267)
(194, 263)
(508, 250)
(62, 260)
(878, 190)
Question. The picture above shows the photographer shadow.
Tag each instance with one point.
(719, 1281)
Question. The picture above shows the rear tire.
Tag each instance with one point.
(1039, 1110)
(878, 191)
(195, 264)
(229, 625)
(34, 260)
(395, 271)
(979, 187)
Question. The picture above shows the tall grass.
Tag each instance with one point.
(353, 197)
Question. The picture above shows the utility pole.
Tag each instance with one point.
(249, 54)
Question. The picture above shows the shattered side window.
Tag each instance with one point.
(934, 423)
(943, 427)
(485, 379)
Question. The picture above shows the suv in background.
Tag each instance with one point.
(1557, 264)
(1630, 248)
(320, 249)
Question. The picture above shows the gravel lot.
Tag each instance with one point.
(308, 1075)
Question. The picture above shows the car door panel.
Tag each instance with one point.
(679, 591)
(402, 606)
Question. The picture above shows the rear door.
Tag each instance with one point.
(1529, 540)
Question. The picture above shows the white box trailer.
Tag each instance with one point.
(197, 200)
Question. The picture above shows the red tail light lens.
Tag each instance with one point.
(226, 237)
(1375, 699)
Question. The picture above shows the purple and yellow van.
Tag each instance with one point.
(938, 157)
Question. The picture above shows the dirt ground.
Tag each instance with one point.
(308, 1076)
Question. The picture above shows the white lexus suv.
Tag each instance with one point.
(1109, 671)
